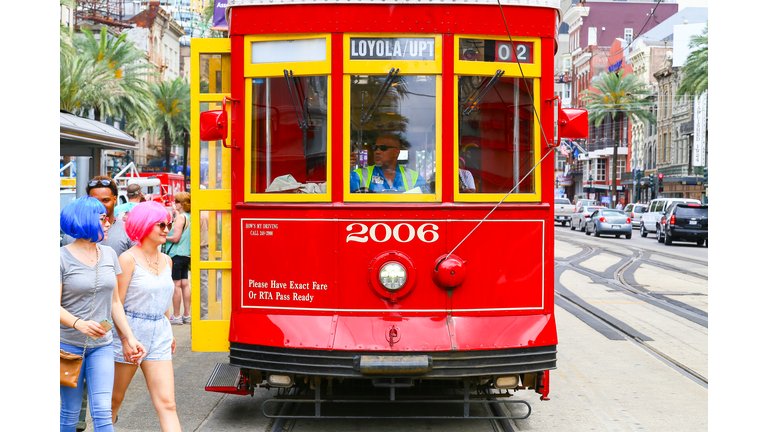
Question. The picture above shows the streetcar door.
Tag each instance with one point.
(211, 200)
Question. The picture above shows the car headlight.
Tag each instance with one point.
(393, 276)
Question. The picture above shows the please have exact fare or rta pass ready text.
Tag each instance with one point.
(282, 290)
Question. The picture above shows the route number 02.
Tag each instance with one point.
(402, 232)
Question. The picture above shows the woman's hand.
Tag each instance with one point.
(90, 328)
(173, 346)
(133, 350)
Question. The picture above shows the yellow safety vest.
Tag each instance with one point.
(367, 174)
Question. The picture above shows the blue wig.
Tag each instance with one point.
(80, 219)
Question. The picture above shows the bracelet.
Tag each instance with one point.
(123, 337)
(73, 324)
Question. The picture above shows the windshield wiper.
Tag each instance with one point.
(481, 92)
(380, 95)
(296, 100)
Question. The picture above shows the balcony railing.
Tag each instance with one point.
(681, 171)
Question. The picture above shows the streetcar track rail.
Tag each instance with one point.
(671, 362)
(620, 279)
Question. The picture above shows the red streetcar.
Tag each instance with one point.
(379, 198)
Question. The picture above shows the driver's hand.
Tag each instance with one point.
(352, 159)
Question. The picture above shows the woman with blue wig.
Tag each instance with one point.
(88, 300)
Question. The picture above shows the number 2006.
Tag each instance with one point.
(402, 232)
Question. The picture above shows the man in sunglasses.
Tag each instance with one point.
(386, 175)
(104, 189)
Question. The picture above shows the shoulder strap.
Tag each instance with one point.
(134, 257)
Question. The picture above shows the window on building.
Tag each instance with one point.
(621, 166)
(592, 36)
(598, 169)
(628, 33)
(567, 90)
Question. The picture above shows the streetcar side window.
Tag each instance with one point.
(393, 134)
(289, 135)
(496, 134)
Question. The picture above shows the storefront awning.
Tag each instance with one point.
(82, 132)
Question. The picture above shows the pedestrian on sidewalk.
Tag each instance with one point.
(133, 192)
(146, 288)
(180, 251)
(104, 189)
(88, 298)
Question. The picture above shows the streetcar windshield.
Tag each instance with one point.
(289, 134)
(496, 133)
(392, 133)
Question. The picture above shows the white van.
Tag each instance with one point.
(650, 222)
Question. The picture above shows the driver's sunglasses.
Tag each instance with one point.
(103, 182)
(163, 225)
(382, 147)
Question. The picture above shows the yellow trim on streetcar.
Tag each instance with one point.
(248, 148)
(511, 69)
(496, 197)
(212, 333)
(407, 67)
(269, 70)
(402, 197)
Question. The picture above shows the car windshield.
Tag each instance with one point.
(591, 209)
(692, 212)
(562, 201)
(612, 213)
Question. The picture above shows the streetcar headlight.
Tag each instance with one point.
(392, 276)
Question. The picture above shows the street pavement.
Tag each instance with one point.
(601, 383)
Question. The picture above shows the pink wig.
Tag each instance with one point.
(142, 219)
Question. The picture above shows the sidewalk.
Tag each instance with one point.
(193, 403)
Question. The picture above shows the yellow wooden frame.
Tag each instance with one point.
(211, 334)
(478, 68)
(248, 148)
(496, 197)
(437, 196)
(407, 67)
(270, 70)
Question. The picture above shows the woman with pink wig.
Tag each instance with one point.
(146, 288)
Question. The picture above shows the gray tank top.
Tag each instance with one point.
(148, 295)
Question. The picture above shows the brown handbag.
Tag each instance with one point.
(70, 368)
(69, 364)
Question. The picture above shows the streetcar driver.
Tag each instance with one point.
(386, 175)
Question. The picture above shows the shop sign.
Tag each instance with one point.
(699, 130)
(392, 49)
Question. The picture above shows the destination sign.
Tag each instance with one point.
(392, 49)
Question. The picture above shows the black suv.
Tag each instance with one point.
(684, 222)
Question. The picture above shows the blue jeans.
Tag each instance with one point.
(98, 369)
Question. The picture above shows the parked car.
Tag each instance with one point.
(651, 218)
(635, 212)
(563, 211)
(578, 221)
(586, 202)
(609, 221)
(684, 222)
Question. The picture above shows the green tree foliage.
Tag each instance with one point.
(695, 70)
(171, 111)
(617, 96)
(106, 76)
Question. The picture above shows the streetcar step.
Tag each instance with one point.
(226, 378)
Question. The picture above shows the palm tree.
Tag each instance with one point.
(123, 59)
(695, 71)
(616, 96)
(84, 84)
(171, 114)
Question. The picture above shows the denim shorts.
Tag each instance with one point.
(180, 267)
(153, 331)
